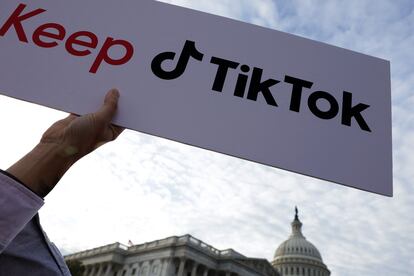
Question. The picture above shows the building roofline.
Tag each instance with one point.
(169, 241)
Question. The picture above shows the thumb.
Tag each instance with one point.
(108, 109)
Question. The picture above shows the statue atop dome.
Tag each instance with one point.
(296, 213)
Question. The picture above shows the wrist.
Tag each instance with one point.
(42, 168)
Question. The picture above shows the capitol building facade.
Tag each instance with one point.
(188, 256)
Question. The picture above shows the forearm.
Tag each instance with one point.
(42, 168)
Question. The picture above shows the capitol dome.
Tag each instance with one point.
(298, 256)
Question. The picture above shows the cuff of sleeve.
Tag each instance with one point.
(16, 179)
(18, 206)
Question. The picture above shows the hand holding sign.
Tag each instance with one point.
(64, 143)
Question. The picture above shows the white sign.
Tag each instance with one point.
(207, 81)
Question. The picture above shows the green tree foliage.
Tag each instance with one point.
(76, 268)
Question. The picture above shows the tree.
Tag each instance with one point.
(76, 268)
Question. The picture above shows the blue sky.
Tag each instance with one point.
(143, 188)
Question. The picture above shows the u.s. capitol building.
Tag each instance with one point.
(188, 256)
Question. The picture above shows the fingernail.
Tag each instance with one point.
(115, 92)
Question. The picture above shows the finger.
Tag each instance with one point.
(71, 117)
(65, 121)
(111, 133)
(117, 130)
(108, 109)
(99, 145)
